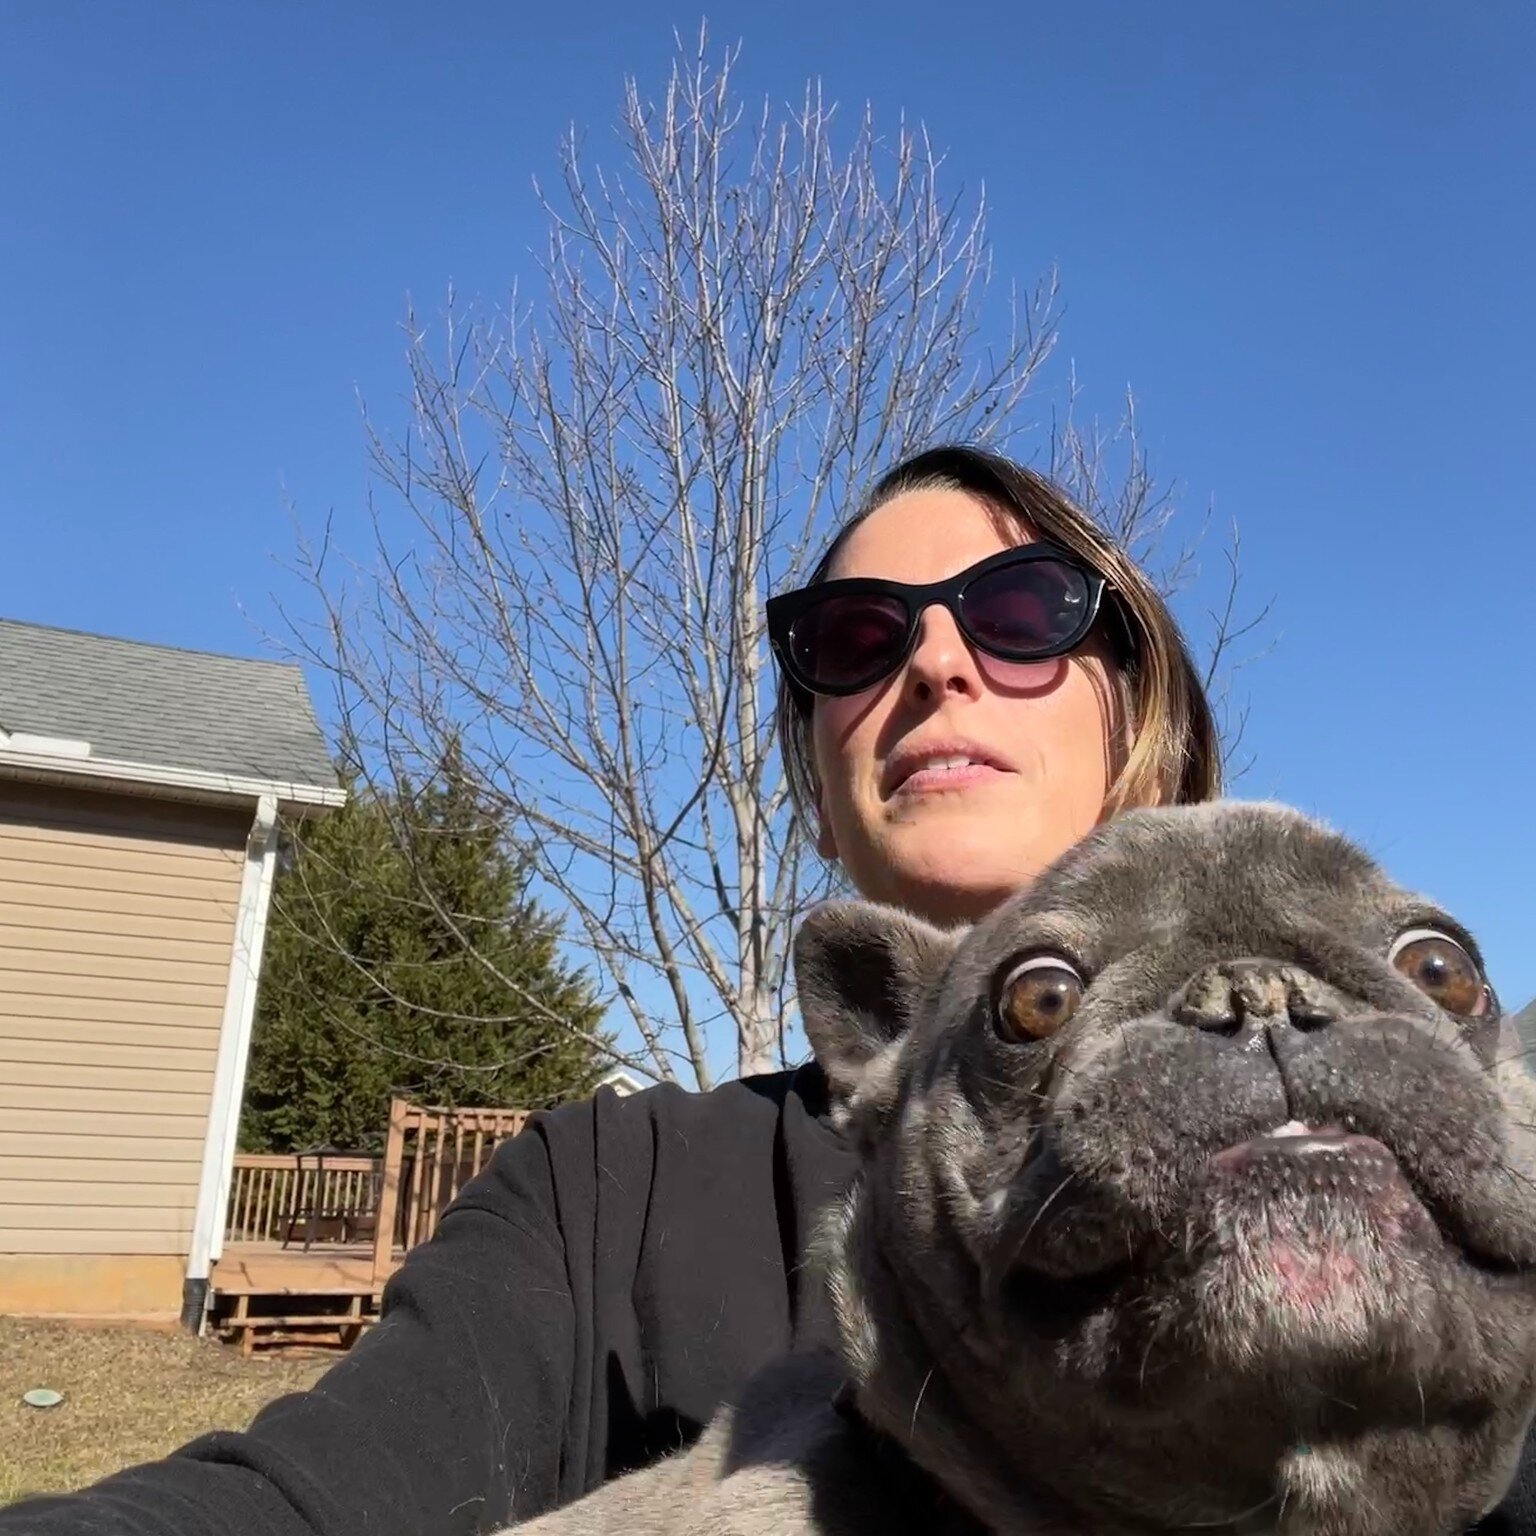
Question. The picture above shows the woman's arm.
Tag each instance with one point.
(620, 1268)
(447, 1417)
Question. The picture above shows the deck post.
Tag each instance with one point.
(389, 1192)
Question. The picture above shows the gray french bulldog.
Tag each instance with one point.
(1198, 1192)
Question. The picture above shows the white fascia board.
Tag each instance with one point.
(197, 781)
(234, 1041)
(623, 1083)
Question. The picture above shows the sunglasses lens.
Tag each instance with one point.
(1028, 609)
(849, 642)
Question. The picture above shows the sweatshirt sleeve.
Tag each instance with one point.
(448, 1417)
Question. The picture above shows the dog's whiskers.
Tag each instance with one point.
(1502, 1165)
(1009, 1086)
(912, 1427)
(1146, 1354)
(1520, 1055)
(1242, 1514)
(1044, 1206)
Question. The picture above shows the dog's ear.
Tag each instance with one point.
(862, 971)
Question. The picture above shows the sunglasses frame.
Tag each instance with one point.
(787, 607)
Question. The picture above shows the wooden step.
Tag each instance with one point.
(272, 1340)
(298, 1320)
(273, 1330)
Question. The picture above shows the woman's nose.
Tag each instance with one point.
(941, 660)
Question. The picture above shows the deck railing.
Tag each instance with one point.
(393, 1202)
(430, 1155)
(268, 1190)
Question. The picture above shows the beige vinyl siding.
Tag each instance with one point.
(116, 923)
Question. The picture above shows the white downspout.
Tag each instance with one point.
(229, 1067)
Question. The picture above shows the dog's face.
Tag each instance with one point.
(1200, 1186)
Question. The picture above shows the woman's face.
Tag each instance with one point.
(908, 823)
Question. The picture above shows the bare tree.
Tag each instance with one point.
(736, 329)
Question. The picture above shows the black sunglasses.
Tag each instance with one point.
(1029, 603)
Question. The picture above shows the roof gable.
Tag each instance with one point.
(157, 706)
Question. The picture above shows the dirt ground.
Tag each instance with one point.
(129, 1395)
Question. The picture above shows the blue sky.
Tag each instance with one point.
(1301, 232)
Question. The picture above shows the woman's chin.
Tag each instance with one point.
(952, 858)
(951, 876)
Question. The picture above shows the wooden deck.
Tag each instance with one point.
(363, 1215)
(328, 1269)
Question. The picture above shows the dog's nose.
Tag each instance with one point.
(1259, 992)
(1252, 994)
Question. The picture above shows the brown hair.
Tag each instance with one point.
(1175, 756)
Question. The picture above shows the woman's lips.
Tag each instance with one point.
(940, 779)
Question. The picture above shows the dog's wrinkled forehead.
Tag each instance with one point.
(1211, 881)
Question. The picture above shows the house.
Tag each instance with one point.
(623, 1083)
(140, 789)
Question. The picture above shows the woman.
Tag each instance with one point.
(624, 1265)
(1109, 716)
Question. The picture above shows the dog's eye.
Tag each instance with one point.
(1440, 968)
(1036, 998)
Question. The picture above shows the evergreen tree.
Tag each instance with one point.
(405, 956)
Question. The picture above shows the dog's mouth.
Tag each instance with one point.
(1344, 1172)
(1297, 1139)
(1319, 1184)
(1295, 1208)
(1331, 1163)
(1313, 1210)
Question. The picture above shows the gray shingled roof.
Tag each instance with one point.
(151, 704)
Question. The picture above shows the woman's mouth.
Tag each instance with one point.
(942, 764)
(945, 774)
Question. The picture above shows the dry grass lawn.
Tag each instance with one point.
(129, 1395)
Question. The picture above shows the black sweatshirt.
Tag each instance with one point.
(617, 1270)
